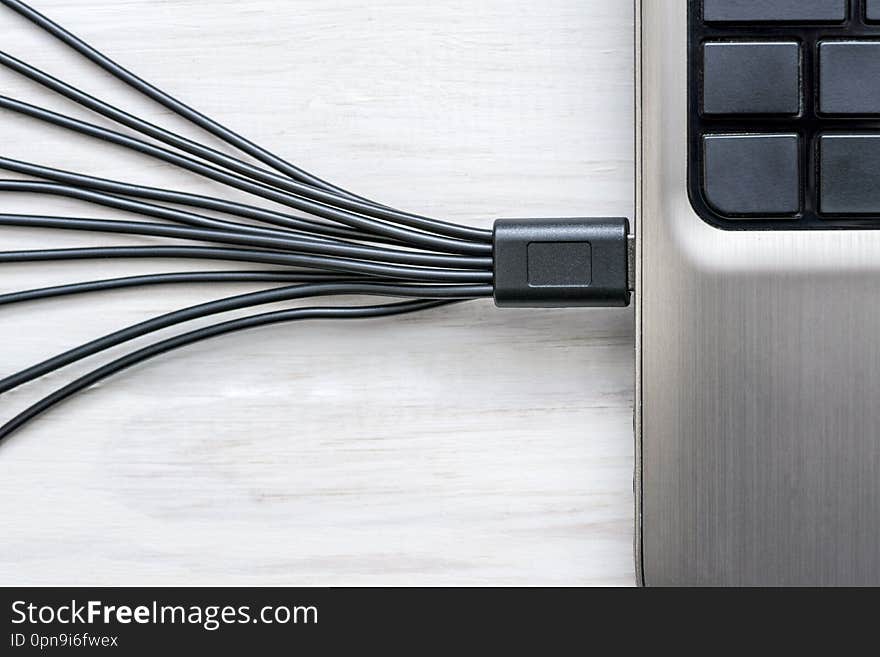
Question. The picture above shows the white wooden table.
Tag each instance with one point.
(465, 446)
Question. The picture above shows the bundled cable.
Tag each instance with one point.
(349, 247)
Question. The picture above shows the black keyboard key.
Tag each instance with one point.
(748, 77)
(873, 11)
(849, 172)
(753, 175)
(849, 77)
(774, 11)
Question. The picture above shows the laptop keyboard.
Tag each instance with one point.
(784, 113)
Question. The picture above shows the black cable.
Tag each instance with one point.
(268, 276)
(170, 102)
(283, 239)
(177, 342)
(124, 118)
(399, 272)
(239, 302)
(461, 256)
(255, 241)
(233, 164)
(308, 228)
(318, 209)
(171, 214)
(142, 208)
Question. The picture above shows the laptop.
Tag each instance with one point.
(758, 264)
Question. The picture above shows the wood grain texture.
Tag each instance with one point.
(465, 446)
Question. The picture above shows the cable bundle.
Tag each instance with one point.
(349, 246)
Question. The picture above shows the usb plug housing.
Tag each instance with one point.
(560, 263)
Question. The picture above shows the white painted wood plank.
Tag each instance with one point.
(466, 446)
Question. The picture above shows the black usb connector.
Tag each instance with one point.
(560, 263)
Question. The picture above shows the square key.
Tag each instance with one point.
(753, 175)
(849, 174)
(748, 77)
(873, 11)
(775, 11)
(849, 77)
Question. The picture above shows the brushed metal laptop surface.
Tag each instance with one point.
(758, 407)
